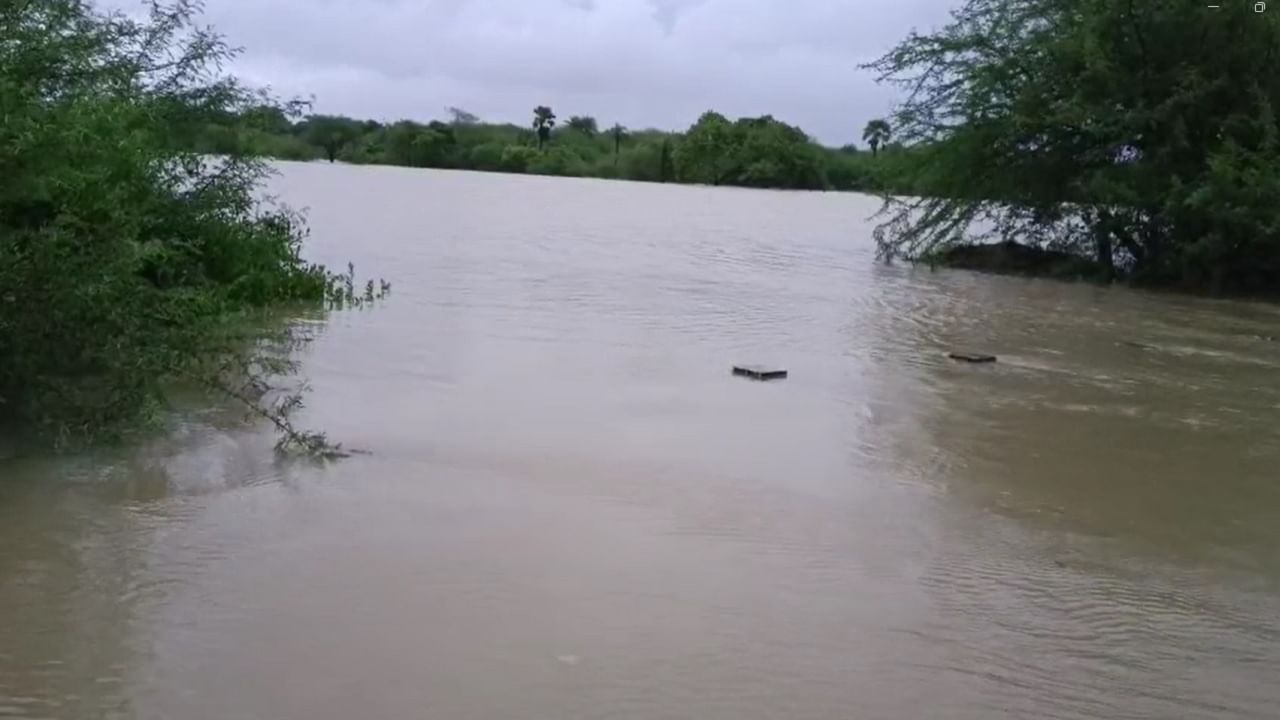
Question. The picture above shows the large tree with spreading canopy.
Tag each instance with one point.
(1143, 133)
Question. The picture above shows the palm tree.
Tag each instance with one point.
(877, 133)
(619, 133)
(543, 121)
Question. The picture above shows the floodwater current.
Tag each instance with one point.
(571, 508)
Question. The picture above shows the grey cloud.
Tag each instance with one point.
(666, 12)
(644, 63)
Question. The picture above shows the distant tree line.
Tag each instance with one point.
(758, 152)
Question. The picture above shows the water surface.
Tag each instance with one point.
(572, 510)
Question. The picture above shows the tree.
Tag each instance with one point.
(268, 118)
(543, 121)
(432, 145)
(331, 132)
(664, 161)
(584, 124)
(462, 117)
(875, 134)
(619, 134)
(706, 154)
(1131, 131)
(771, 153)
(755, 152)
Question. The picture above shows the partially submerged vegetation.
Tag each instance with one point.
(1012, 258)
(127, 265)
(1139, 135)
(1091, 138)
(750, 152)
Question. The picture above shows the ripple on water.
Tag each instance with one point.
(570, 493)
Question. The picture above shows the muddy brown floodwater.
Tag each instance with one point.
(573, 510)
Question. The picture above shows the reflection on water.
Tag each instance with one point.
(573, 510)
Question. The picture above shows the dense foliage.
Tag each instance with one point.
(753, 152)
(125, 264)
(1141, 133)
(750, 152)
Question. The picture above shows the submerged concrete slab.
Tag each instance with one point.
(758, 372)
(971, 357)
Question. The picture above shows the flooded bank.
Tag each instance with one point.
(573, 509)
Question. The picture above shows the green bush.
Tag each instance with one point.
(125, 264)
(557, 161)
(486, 157)
(641, 162)
(851, 170)
(518, 158)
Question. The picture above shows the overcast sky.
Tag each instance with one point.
(643, 63)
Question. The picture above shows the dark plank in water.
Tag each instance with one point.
(756, 372)
(972, 357)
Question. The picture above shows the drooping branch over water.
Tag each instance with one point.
(129, 263)
(1135, 133)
